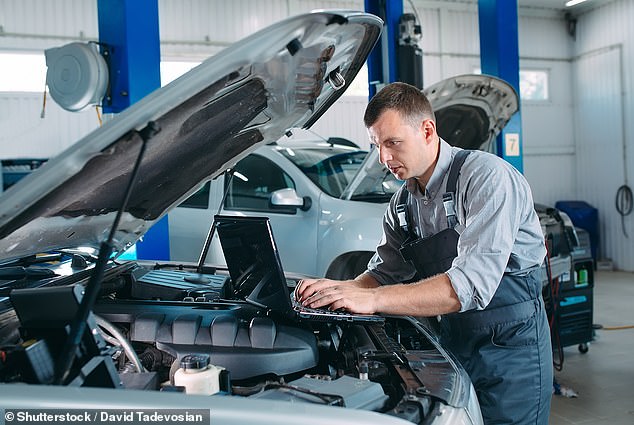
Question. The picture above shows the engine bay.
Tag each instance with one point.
(150, 320)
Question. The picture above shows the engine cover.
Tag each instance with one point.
(245, 348)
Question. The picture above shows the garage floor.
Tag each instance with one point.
(604, 376)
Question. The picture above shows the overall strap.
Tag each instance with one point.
(449, 197)
(403, 214)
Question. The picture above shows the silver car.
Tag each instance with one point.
(299, 185)
(82, 329)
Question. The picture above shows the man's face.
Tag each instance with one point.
(405, 150)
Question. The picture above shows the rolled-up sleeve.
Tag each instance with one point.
(498, 226)
(499, 222)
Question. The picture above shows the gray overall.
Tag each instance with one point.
(505, 348)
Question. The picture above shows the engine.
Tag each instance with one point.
(142, 335)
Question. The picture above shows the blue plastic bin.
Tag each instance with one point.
(585, 216)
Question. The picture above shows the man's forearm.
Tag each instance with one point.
(429, 297)
(365, 280)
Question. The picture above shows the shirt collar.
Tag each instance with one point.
(438, 175)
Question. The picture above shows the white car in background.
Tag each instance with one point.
(299, 183)
(325, 206)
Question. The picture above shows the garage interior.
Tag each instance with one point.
(576, 77)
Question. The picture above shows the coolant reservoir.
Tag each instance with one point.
(197, 375)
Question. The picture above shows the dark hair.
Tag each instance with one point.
(408, 100)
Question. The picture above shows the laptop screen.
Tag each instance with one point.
(253, 261)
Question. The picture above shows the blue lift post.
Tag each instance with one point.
(129, 37)
(382, 62)
(499, 56)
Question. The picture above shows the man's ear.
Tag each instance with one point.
(429, 129)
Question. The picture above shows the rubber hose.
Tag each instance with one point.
(624, 204)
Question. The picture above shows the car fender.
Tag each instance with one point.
(347, 227)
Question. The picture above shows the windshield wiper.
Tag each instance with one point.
(19, 272)
(376, 197)
(48, 257)
(18, 277)
(33, 259)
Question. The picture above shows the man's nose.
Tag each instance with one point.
(384, 155)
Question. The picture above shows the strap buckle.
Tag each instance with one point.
(449, 202)
(402, 216)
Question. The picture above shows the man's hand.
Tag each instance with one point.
(429, 297)
(355, 295)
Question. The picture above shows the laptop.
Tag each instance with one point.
(256, 270)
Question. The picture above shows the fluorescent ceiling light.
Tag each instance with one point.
(571, 3)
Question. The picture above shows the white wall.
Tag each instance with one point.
(39, 24)
(25, 134)
(603, 80)
(32, 26)
(547, 127)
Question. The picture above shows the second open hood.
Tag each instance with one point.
(471, 110)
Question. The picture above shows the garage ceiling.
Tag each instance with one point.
(560, 4)
(552, 4)
(537, 5)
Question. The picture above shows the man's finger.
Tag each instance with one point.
(297, 288)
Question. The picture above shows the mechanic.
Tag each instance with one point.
(461, 240)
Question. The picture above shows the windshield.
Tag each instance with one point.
(373, 183)
(377, 188)
(331, 167)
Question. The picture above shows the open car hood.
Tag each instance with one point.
(471, 110)
(286, 75)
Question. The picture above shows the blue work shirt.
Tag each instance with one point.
(498, 226)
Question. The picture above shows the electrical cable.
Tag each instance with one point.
(43, 113)
(624, 204)
(328, 399)
(614, 328)
(109, 339)
(549, 273)
(98, 115)
(554, 296)
(123, 342)
(411, 3)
